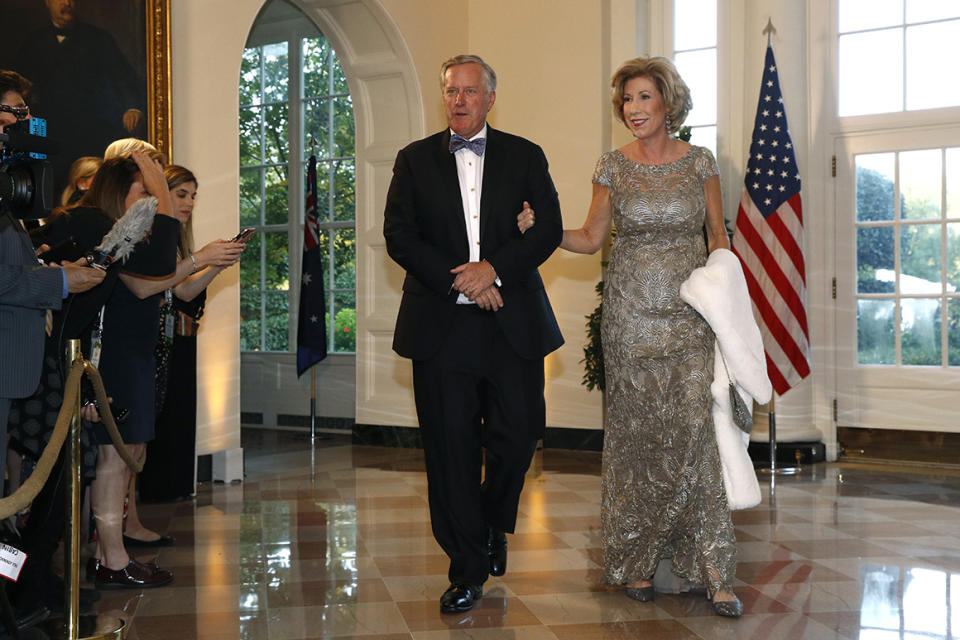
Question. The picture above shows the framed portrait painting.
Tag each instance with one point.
(100, 71)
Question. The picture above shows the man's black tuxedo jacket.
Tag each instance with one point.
(426, 234)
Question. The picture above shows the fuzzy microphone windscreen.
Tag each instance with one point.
(129, 229)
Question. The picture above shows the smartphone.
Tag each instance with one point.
(244, 234)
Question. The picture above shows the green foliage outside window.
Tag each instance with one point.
(874, 244)
(921, 261)
(267, 289)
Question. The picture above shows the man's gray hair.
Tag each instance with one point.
(489, 75)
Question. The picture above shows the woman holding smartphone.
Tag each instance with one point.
(168, 472)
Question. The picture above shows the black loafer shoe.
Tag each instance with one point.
(460, 597)
(133, 576)
(162, 541)
(497, 550)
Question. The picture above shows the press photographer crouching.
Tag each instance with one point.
(28, 289)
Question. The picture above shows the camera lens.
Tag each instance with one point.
(16, 186)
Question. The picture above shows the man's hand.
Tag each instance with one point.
(489, 299)
(131, 118)
(80, 277)
(42, 249)
(473, 277)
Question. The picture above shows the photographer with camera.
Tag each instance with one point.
(28, 289)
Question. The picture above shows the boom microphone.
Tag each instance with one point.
(130, 229)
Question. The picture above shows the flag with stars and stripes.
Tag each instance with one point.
(768, 238)
(311, 318)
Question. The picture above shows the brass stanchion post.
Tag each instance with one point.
(71, 538)
(72, 624)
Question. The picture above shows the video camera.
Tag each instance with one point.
(26, 176)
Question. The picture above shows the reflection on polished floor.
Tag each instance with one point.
(840, 551)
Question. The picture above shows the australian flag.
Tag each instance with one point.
(311, 320)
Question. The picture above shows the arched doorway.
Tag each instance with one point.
(388, 113)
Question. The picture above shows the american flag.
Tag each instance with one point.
(769, 238)
(311, 318)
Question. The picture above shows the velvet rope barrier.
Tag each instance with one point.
(23, 496)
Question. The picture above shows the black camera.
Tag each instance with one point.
(26, 177)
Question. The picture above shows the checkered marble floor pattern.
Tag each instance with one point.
(344, 550)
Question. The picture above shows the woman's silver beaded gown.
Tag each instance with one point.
(663, 494)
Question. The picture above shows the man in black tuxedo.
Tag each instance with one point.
(474, 318)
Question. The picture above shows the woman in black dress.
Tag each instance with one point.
(168, 472)
(126, 366)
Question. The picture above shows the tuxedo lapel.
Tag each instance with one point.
(494, 164)
(450, 183)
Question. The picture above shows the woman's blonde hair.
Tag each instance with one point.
(672, 88)
(82, 167)
(176, 176)
(126, 146)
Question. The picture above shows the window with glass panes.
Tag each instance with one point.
(295, 88)
(908, 257)
(695, 56)
(897, 55)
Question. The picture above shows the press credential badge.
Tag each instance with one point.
(11, 561)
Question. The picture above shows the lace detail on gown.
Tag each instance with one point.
(662, 490)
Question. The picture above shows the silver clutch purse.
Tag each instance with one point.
(742, 416)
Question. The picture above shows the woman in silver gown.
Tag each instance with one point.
(662, 491)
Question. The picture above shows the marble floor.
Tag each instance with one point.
(344, 550)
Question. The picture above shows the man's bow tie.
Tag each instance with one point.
(458, 142)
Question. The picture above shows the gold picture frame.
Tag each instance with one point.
(158, 76)
(83, 104)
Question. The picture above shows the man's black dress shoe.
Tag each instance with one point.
(460, 597)
(497, 550)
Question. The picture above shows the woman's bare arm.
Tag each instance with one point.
(716, 230)
(591, 236)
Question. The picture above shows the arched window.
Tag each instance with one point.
(294, 101)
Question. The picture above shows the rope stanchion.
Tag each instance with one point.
(22, 497)
(72, 625)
